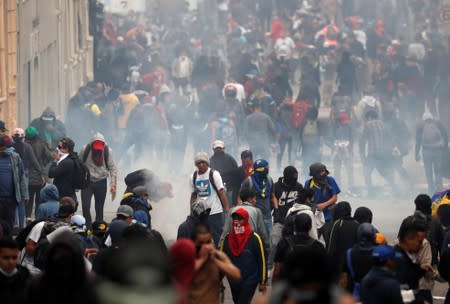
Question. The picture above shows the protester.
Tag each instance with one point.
(210, 265)
(63, 168)
(49, 204)
(380, 285)
(14, 187)
(14, 278)
(299, 241)
(326, 193)
(256, 219)
(246, 251)
(98, 158)
(207, 184)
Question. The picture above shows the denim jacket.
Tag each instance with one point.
(20, 181)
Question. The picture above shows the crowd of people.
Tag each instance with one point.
(252, 82)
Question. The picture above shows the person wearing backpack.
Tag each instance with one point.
(432, 139)
(207, 183)
(380, 285)
(297, 242)
(358, 259)
(378, 154)
(98, 158)
(63, 169)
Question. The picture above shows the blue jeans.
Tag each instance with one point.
(20, 215)
(216, 222)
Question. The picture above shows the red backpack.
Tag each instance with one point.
(299, 110)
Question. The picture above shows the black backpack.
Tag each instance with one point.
(81, 175)
(295, 246)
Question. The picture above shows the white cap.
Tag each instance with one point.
(218, 144)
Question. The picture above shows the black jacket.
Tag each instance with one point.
(407, 272)
(62, 174)
(227, 166)
(380, 286)
(343, 235)
(12, 288)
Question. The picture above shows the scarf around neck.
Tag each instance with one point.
(240, 233)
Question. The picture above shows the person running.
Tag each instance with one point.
(246, 251)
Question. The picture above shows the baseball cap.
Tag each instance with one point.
(98, 145)
(218, 144)
(3, 126)
(125, 210)
(385, 253)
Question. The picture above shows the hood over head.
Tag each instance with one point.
(49, 193)
(48, 114)
(342, 210)
(363, 215)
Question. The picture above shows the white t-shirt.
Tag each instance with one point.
(206, 191)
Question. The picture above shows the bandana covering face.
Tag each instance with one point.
(260, 178)
(239, 236)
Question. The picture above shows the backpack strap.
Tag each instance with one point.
(194, 179)
(349, 263)
(87, 150)
(211, 181)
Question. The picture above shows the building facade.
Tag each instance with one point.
(46, 54)
(8, 62)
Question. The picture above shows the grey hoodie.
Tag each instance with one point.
(102, 172)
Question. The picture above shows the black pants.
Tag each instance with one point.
(34, 192)
(242, 293)
(98, 189)
(8, 213)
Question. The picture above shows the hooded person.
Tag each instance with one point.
(326, 192)
(49, 205)
(363, 215)
(98, 158)
(343, 233)
(303, 205)
(287, 191)
(246, 252)
(50, 129)
(262, 184)
(358, 259)
(199, 214)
